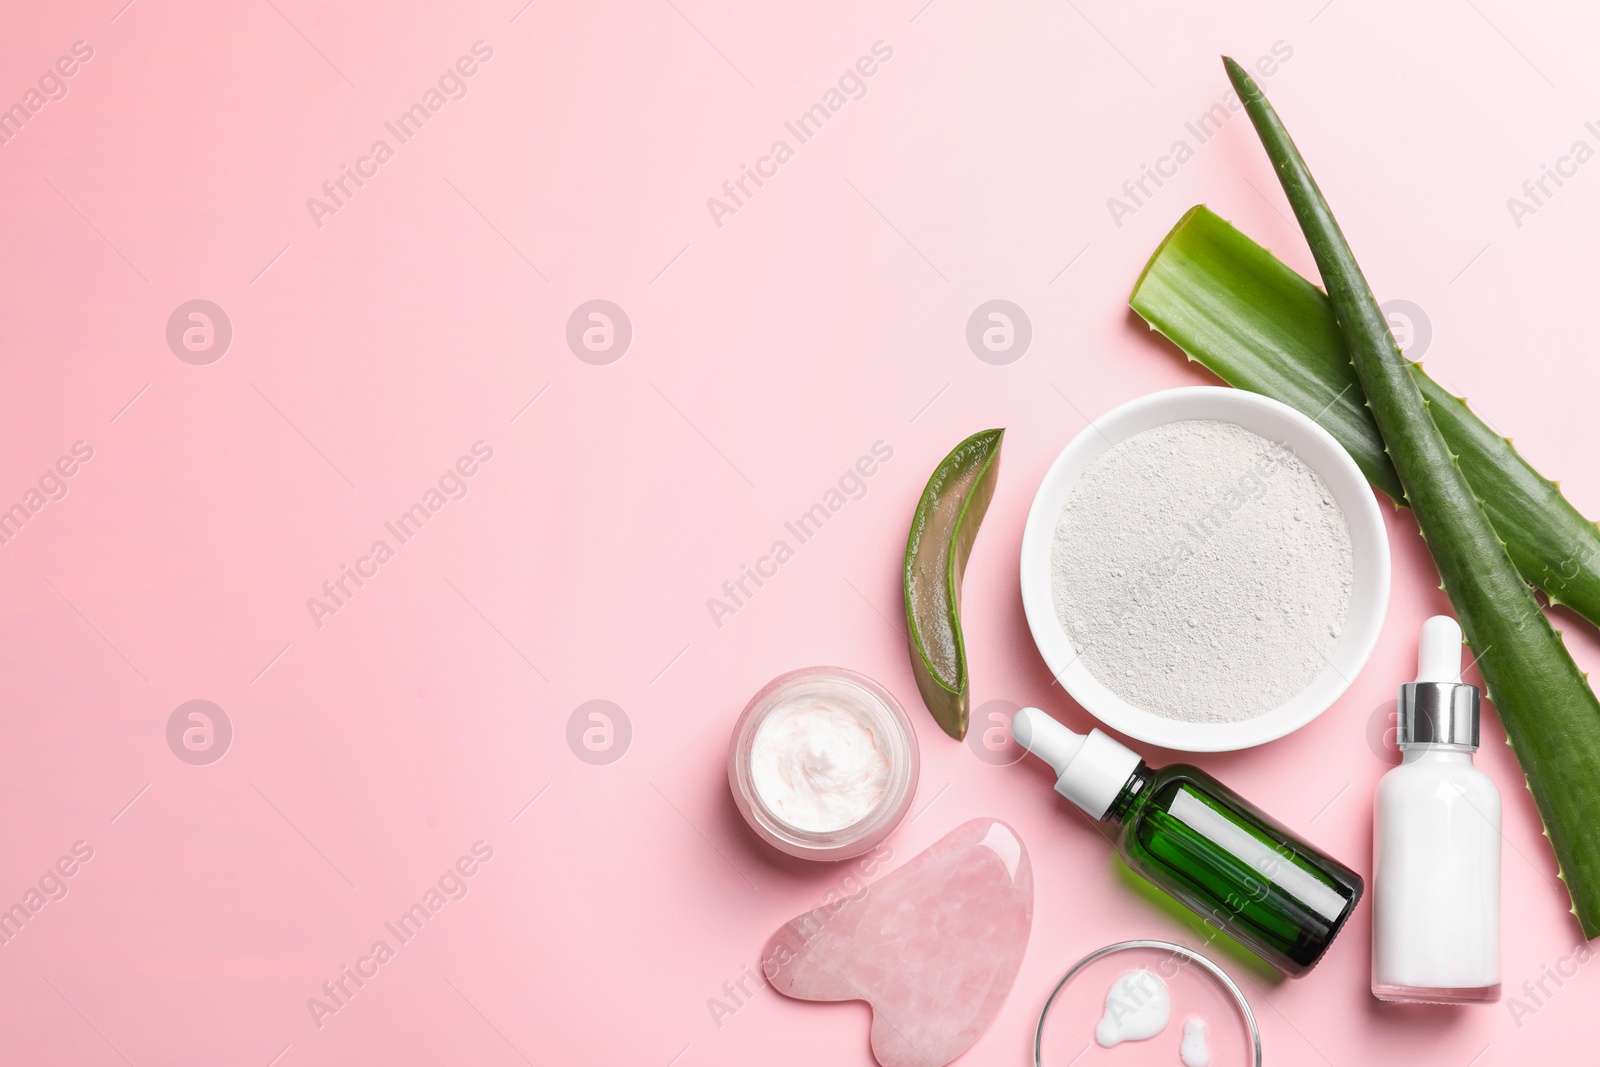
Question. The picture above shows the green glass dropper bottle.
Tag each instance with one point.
(1200, 841)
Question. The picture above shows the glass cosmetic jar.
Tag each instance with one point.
(823, 763)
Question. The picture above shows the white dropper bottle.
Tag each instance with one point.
(1436, 842)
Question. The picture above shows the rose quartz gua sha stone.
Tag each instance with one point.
(933, 947)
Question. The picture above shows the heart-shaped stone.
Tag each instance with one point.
(933, 946)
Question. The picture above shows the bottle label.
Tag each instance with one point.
(1260, 855)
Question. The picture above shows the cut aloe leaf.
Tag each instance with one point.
(942, 531)
(1550, 714)
(1237, 310)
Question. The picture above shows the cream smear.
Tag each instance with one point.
(1137, 1009)
(1193, 1050)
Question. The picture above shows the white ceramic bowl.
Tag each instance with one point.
(1369, 595)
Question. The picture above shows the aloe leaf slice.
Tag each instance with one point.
(942, 531)
(1233, 307)
(1550, 714)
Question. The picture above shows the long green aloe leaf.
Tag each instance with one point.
(1233, 307)
(1551, 716)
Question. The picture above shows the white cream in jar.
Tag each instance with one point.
(823, 763)
(819, 767)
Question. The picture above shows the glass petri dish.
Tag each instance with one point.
(1195, 987)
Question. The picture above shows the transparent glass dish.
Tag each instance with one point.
(1195, 986)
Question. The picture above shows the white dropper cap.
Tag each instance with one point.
(1091, 768)
(1439, 650)
(1438, 708)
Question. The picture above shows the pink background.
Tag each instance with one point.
(768, 354)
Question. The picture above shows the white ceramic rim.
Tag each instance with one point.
(1369, 594)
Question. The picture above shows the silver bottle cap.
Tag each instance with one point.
(1438, 713)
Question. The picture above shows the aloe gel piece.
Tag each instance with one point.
(942, 531)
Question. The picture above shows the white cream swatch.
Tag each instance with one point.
(1137, 1008)
(1193, 1051)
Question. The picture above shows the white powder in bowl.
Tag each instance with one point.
(1202, 571)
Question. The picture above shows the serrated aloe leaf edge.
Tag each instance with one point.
(1550, 714)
